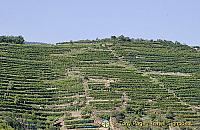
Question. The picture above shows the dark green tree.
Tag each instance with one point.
(113, 37)
(12, 39)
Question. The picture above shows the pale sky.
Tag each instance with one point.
(63, 20)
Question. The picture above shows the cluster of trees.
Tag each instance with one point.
(128, 39)
(123, 38)
(120, 38)
(12, 39)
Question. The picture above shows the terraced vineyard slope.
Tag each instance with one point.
(111, 83)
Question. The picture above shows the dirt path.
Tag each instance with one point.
(168, 73)
(125, 99)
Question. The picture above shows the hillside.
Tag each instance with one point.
(78, 85)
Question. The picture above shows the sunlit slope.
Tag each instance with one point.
(76, 85)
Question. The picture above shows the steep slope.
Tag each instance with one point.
(78, 85)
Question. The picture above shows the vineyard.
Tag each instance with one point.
(79, 85)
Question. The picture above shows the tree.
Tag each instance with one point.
(177, 43)
(113, 37)
(12, 39)
(121, 38)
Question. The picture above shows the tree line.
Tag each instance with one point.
(12, 39)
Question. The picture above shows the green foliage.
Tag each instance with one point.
(86, 110)
(139, 79)
(12, 39)
(113, 37)
(104, 116)
(4, 125)
(15, 123)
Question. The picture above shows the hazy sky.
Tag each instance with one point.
(63, 20)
